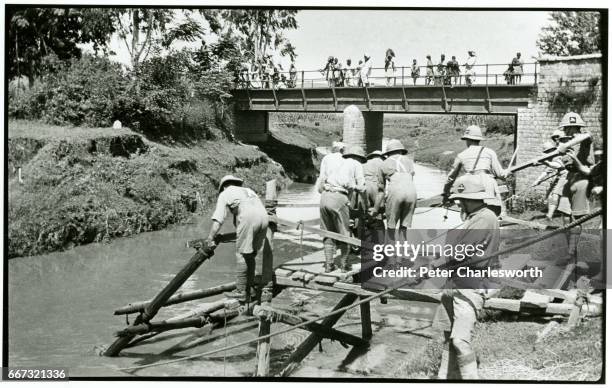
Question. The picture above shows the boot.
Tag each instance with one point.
(345, 251)
(329, 249)
(468, 368)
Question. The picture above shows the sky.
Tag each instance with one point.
(496, 36)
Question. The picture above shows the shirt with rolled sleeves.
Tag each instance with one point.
(231, 198)
(347, 176)
(469, 161)
(329, 164)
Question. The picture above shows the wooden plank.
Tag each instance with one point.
(323, 233)
(283, 272)
(511, 305)
(533, 299)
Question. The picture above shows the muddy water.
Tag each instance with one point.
(60, 304)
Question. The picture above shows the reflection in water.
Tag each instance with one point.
(60, 304)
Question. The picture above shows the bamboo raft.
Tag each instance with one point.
(307, 272)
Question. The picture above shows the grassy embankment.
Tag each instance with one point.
(82, 185)
(513, 350)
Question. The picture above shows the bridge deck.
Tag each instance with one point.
(475, 99)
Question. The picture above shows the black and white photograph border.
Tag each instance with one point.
(193, 191)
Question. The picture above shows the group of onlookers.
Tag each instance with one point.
(266, 76)
(350, 74)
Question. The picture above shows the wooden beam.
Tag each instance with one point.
(313, 339)
(366, 321)
(180, 297)
(276, 315)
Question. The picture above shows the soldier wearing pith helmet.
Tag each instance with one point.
(463, 299)
(576, 187)
(480, 161)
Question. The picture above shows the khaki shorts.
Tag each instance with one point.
(334, 212)
(400, 204)
(462, 308)
(251, 231)
(576, 190)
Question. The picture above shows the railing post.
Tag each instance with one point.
(535, 73)
(487, 74)
(302, 79)
(495, 79)
(402, 75)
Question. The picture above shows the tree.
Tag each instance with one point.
(257, 32)
(35, 33)
(571, 33)
(146, 30)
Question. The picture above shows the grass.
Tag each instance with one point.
(508, 350)
(97, 184)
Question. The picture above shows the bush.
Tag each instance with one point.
(167, 97)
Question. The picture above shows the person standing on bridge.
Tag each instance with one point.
(463, 298)
(517, 69)
(251, 221)
(348, 74)
(339, 178)
(470, 69)
(401, 197)
(390, 70)
(292, 76)
(429, 75)
(452, 67)
(440, 75)
(415, 71)
(366, 70)
(480, 161)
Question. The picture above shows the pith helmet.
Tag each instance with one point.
(548, 146)
(473, 132)
(374, 154)
(572, 119)
(355, 151)
(229, 178)
(470, 186)
(395, 145)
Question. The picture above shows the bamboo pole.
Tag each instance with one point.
(221, 314)
(161, 298)
(138, 307)
(313, 339)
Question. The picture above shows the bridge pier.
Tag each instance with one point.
(364, 129)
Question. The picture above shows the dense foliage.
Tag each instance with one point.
(176, 95)
(571, 33)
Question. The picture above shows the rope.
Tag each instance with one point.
(367, 299)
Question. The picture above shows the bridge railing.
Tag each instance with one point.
(403, 76)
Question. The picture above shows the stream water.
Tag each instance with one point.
(61, 304)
